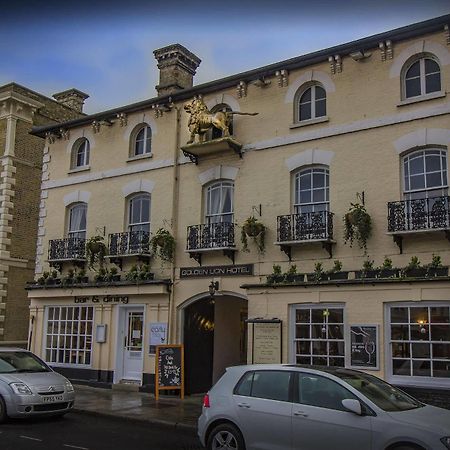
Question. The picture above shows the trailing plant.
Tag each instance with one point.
(95, 252)
(357, 225)
(163, 244)
(255, 229)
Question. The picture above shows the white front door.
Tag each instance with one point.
(133, 344)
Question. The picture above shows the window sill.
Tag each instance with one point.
(305, 123)
(139, 157)
(79, 169)
(422, 98)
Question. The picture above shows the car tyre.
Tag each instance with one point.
(408, 447)
(225, 436)
(3, 415)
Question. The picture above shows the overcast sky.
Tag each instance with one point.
(105, 48)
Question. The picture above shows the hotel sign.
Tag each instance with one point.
(216, 271)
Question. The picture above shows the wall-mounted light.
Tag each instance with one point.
(213, 288)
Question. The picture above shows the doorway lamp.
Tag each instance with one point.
(213, 288)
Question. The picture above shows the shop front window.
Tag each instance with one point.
(319, 336)
(68, 337)
(420, 341)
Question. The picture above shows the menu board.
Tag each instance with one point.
(266, 342)
(364, 352)
(169, 368)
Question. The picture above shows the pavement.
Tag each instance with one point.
(139, 406)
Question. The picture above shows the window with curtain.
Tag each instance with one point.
(219, 202)
(80, 154)
(143, 141)
(77, 221)
(421, 77)
(139, 213)
(311, 190)
(425, 174)
(311, 103)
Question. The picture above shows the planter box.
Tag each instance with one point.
(437, 272)
(295, 278)
(388, 273)
(115, 278)
(338, 276)
(416, 273)
(271, 279)
(312, 277)
(369, 274)
(82, 280)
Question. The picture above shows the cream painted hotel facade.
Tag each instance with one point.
(363, 122)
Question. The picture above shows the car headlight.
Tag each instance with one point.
(446, 441)
(69, 386)
(21, 389)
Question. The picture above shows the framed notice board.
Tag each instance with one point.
(169, 371)
(364, 348)
(266, 341)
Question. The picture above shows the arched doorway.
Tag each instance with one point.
(215, 337)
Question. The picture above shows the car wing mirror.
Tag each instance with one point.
(353, 406)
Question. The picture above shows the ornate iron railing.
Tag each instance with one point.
(67, 249)
(305, 227)
(129, 243)
(210, 236)
(419, 214)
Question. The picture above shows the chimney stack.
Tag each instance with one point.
(177, 66)
(73, 98)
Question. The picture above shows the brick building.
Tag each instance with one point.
(21, 169)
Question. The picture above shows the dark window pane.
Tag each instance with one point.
(400, 350)
(273, 385)
(319, 347)
(305, 111)
(319, 331)
(302, 315)
(305, 197)
(245, 385)
(434, 179)
(336, 348)
(414, 70)
(421, 368)
(399, 315)
(431, 66)
(337, 362)
(306, 96)
(302, 331)
(433, 83)
(417, 182)
(319, 361)
(401, 367)
(441, 351)
(318, 195)
(318, 180)
(440, 314)
(441, 369)
(305, 181)
(412, 87)
(420, 333)
(416, 164)
(139, 149)
(400, 332)
(335, 332)
(318, 315)
(303, 360)
(321, 108)
(303, 347)
(433, 163)
(421, 351)
(419, 315)
(440, 333)
(320, 92)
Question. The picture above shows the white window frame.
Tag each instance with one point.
(300, 94)
(218, 185)
(60, 336)
(292, 330)
(404, 380)
(74, 233)
(134, 197)
(84, 146)
(422, 77)
(147, 149)
(296, 205)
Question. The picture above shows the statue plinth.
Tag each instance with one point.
(197, 150)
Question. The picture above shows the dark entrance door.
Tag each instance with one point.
(199, 345)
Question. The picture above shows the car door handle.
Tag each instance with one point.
(243, 405)
(300, 413)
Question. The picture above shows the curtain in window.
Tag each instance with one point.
(77, 221)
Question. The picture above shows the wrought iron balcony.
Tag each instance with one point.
(304, 228)
(418, 215)
(129, 243)
(69, 249)
(208, 237)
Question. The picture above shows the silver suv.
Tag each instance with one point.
(285, 407)
(29, 387)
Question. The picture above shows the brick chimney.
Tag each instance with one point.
(73, 98)
(177, 66)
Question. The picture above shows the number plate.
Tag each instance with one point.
(53, 398)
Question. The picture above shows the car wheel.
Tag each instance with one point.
(225, 436)
(408, 447)
(3, 415)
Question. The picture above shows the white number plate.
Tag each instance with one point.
(52, 398)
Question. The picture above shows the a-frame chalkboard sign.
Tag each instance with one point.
(169, 372)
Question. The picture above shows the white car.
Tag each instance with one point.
(286, 407)
(28, 387)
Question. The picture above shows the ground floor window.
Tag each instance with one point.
(419, 340)
(68, 338)
(319, 335)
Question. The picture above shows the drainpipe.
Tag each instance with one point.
(175, 201)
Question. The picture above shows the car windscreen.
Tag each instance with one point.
(384, 395)
(21, 362)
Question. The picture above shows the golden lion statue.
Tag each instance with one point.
(201, 119)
